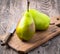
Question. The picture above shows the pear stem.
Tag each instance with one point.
(28, 5)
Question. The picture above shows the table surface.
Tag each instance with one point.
(10, 10)
(50, 47)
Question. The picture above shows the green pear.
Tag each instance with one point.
(41, 20)
(26, 27)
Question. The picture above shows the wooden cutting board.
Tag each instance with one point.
(39, 38)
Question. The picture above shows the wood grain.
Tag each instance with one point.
(9, 7)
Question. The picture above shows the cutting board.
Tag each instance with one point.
(39, 37)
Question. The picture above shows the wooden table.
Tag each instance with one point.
(51, 47)
(10, 10)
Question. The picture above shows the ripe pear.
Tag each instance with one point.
(41, 20)
(26, 27)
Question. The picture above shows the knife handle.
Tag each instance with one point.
(5, 39)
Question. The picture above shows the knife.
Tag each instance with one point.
(8, 35)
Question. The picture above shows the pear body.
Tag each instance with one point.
(26, 27)
(41, 20)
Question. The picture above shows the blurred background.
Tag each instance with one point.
(12, 10)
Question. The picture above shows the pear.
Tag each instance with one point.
(41, 20)
(26, 27)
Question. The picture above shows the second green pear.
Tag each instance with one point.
(26, 27)
(41, 20)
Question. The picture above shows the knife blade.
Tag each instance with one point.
(8, 35)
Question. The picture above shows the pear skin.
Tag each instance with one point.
(26, 27)
(41, 20)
